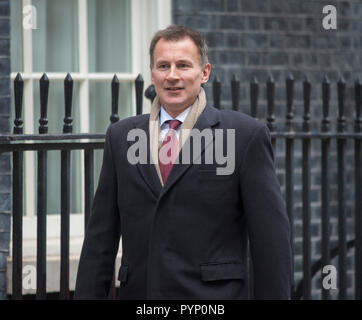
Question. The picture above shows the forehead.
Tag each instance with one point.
(181, 49)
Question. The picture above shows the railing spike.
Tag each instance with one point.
(115, 94)
(68, 77)
(306, 99)
(290, 107)
(270, 95)
(44, 89)
(68, 93)
(139, 78)
(270, 78)
(115, 79)
(18, 100)
(18, 77)
(254, 94)
(341, 90)
(341, 79)
(139, 83)
(235, 92)
(326, 93)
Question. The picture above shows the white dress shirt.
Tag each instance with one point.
(164, 116)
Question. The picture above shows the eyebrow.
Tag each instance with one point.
(184, 61)
(178, 61)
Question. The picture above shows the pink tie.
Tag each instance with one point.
(169, 149)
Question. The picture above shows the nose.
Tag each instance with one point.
(172, 74)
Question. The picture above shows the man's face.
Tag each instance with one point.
(177, 74)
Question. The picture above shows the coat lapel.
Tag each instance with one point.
(148, 170)
(208, 118)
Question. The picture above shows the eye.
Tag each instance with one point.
(162, 66)
(183, 65)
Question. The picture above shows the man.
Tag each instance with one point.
(184, 227)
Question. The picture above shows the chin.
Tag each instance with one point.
(174, 104)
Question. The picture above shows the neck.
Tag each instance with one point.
(174, 112)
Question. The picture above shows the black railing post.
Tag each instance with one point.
(42, 194)
(44, 89)
(235, 92)
(289, 162)
(325, 180)
(18, 99)
(341, 123)
(254, 95)
(290, 107)
(270, 96)
(68, 93)
(216, 92)
(65, 192)
(306, 99)
(115, 94)
(358, 188)
(139, 83)
(306, 194)
(17, 197)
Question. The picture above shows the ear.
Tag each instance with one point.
(206, 73)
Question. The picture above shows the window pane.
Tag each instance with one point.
(16, 35)
(55, 41)
(109, 35)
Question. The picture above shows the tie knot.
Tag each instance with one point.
(174, 124)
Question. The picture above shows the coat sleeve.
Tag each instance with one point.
(266, 218)
(100, 246)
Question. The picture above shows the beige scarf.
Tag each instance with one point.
(187, 125)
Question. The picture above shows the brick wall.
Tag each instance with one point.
(5, 177)
(261, 37)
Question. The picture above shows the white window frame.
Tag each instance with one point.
(147, 16)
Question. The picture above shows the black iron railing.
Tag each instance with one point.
(17, 143)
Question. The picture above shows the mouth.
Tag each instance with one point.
(174, 89)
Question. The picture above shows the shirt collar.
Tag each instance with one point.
(164, 116)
